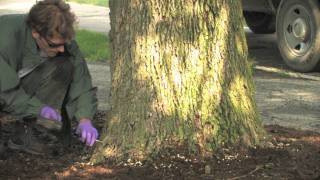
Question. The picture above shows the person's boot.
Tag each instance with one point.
(24, 140)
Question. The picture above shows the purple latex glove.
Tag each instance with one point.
(87, 132)
(50, 113)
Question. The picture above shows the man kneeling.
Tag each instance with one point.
(43, 76)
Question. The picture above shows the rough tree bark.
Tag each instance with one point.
(180, 76)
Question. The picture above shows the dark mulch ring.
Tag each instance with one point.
(289, 154)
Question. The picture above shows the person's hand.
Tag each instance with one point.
(50, 113)
(88, 134)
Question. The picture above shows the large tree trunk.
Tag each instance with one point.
(180, 76)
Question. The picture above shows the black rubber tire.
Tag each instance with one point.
(260, 23)
(304, 56)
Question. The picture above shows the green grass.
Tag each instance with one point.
(104, 3)
(93, 45)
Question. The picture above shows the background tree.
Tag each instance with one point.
(180, 76)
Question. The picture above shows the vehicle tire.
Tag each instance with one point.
(260, 23)
(298, 33)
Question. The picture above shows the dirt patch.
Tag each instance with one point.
(287, 154)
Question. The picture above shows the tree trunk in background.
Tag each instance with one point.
(180, 76)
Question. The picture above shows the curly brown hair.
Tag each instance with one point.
(51, 17)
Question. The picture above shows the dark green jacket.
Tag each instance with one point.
(18, 50)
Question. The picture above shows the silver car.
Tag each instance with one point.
(297, 25)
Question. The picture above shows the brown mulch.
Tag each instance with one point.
(289, 154)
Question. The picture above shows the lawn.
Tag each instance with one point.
(104, 3)
(94, 45)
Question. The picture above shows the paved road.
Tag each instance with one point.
(281, 99)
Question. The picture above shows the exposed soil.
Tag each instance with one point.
(287, 153)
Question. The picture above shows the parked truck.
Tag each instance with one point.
(297, 27)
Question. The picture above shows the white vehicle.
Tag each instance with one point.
(297, 26)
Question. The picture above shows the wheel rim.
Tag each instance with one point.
(298, 30)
